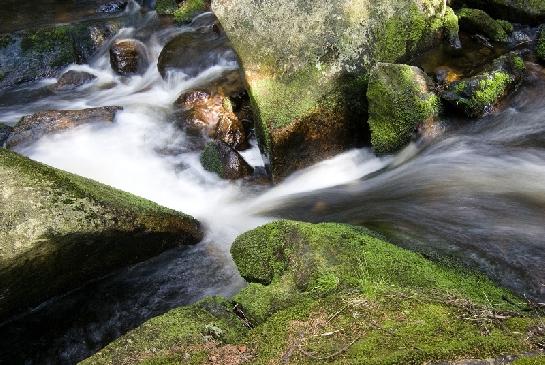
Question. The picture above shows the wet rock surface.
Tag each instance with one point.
(33, 127)
(72, 79)
(128, 57)
(478, 95)
(5, 131)
(59, 230)
(223, 160)
(212, 114)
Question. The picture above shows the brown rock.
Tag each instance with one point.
(128, 57)
(218, 157)
(72, 79)
(32, 127)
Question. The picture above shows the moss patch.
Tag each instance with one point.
(540, 48)
(399, 101)
(188, 9)
(376, 304)
(475, 20)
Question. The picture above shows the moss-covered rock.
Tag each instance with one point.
(220, 158)
(477, 21)
(59, 230)
(37, 53)
(308, 86)
(335, 293)
(519, 11)
(188, 9)
(478, 95)
(400, 99)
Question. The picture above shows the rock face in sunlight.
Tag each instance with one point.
(32, 127)
(400, 99)
(478, 95)
(59, 230)
(308, 85)
(335, 292)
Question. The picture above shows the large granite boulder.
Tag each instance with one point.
(306, 66)
(32, 127)
(59, 230)
(400, 100)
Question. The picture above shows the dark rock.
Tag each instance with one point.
(518, 11)
(59, 230)
(5, 131)
(32, 127)
(72, 79)
(478, 95)
(30, 55)
(128, 57)
(194, 52)
(477, 21)
(212, 114)
(113, 7)
(540, 46)
(218, 157)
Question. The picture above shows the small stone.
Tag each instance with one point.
(72, 79)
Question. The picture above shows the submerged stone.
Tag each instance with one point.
(308, 86)
(223, 160)
(32, 127)
(59, 230)
(72, 79)
(477, 21)
(478, 95)
(400, 100)
(335, 292)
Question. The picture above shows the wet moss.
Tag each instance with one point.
(475, 20)
(188, 9)
(211, 159)
(530, 360)
(166, 7)
(540, 48)
(507, 26)
(399, 100)
(382, 305)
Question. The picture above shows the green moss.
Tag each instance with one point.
(490, 88)
(398, 102)
(211, 159)
(188, 9)
(534, 360)
(450, 23)
(540, 50)
(518, 63)
(475, 20)
(56, 42)
(380, 304)
(507, 26)
(166, 7)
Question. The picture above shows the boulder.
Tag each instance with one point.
(72, 79)
(518, 11)
(308, 87)
(30, 55)
(221, 159)
(212, 114)
(32, 127)
(128, 57)
(193, 52)
(112, 7)
(5, 131)
(400, 100)
(59, 230)
(477, 21)
(336, 294)
(478, 95)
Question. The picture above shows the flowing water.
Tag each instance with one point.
(477, 193)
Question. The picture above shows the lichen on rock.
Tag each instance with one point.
(340, 293)
(59, 230)
(401, 98)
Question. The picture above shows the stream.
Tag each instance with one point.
(476, 193)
